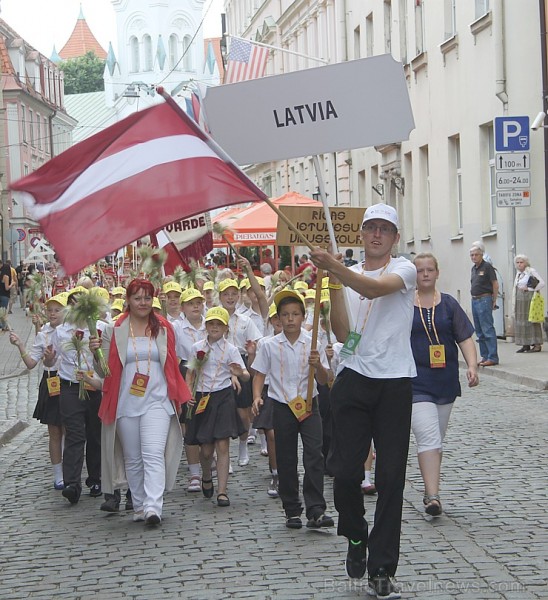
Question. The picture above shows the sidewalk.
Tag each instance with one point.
(11, 363)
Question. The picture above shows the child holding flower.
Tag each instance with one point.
(213, 370)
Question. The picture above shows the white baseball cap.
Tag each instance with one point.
(381, 211)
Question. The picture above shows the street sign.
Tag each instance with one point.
(513, 180)
(511, 134)
(513, 198)
(514, 160)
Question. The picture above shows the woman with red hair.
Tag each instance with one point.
(142, 396)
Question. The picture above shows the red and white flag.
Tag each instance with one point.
(153, 168)
(245, 61)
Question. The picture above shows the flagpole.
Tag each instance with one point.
(235, 168)
(322, 60)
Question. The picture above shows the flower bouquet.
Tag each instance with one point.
(77, 343)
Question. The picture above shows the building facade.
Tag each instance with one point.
(36, 127)
(465, 64)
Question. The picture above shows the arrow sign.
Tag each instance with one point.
(513, 161)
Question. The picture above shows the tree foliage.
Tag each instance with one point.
(83, 74)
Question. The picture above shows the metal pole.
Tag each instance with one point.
(325, 62)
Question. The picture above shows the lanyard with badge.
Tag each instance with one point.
(202, 404)
(140, 380)
(298, 404)
(353, 339)
(52, 381)
(437, 351)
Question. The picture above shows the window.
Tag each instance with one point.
(492, 176)
(450, 18)
(46, 135)
(134, 50)
(403, 31)
(31, 127)
(362, 181)
(147, 49)
(369, 34)
(173, 50)
(419, 27)
(387, 26)
(39, 131)
(482, 8)
(357, 42)
(455, 170)
(187, 53)
(24, 122)
(425, 211)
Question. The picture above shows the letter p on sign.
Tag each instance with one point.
(511, 134)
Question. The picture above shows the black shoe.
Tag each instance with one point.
(356, 563)
(524, 349)
(95, 490)
(293, 522)
(320, 521)
(207, 492)
(129, 500)
(71, 493)
(383, 586)
(112, 502)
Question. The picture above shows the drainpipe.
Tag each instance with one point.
(500, 58)
(544, 63)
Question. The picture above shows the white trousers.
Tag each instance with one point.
(429, 423)
(143, 443)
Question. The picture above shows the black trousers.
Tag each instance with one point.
(286, 432)
(363, 409)
(82, 433)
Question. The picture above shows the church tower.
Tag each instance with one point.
(159, 41)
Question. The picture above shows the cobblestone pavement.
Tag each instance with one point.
(491, 542)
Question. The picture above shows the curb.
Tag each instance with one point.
(10, 429)
(526, 380)
(17, 373)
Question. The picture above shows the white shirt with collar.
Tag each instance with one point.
(186, 335)
(215, 374)
(286, 365)
(258, 321)
(240, 329)
(41, 342)
(67, 361)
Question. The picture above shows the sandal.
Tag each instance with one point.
(223, 500)
(207, 492)
(433, 505)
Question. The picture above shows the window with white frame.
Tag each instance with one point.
(24, 122)
(31, 127)
(419, 27)
(134, 51)
(369, 34)
(187, 53)
(147, 49)
(387, 26)
(450, 18)
(357, 42)
(482, 8)
(425, 212)
(455, 166)
(39, 131)
(173, 48)
(403, 30)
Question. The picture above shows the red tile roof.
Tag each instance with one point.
(81, 41)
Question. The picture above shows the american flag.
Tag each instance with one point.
(246, 60)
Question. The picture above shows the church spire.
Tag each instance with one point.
(81, 41)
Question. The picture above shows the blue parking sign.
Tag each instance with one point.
(511, 134)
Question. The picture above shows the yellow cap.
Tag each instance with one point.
(218, 313)
(325, 282)
(118, 304)
(244, 283)
(101, 292)
(300, 285)
(191, 294)
(287, 294)
(171, 286)
(260, 281)
(118, 291)
(226, 283)
(156, 303)
(325, 296)
(208, 285)
(60, 299)
(79, 289)
(310, 294)
(272, 311)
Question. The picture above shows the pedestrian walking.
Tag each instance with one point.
(526, 283)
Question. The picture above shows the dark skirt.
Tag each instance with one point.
(47, 408)
(245, 398)
(219, 421)
(265, 419)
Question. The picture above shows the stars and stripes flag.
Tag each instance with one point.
(245, 61)
(142, 173)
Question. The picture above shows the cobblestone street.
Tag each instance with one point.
(491, 542)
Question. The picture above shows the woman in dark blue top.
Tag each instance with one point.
(440, 328)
